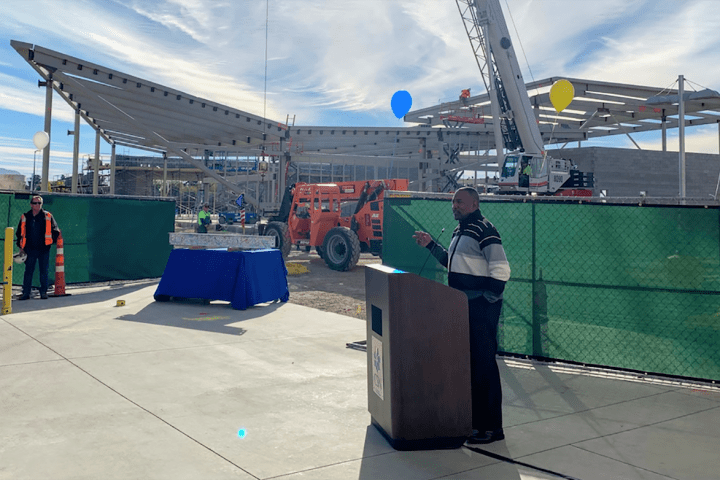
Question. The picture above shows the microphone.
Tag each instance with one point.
(430, 253)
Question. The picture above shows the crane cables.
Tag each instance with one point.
(517, 35)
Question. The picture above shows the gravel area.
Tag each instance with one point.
(329, 290)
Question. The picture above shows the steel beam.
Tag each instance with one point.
(76, 153)
(48, 124)
(96, 165)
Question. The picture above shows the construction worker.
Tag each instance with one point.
(464, 95)
(524, 178)
(204, 219)
(528, 170)
(36, 232)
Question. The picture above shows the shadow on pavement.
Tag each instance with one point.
(194, 314)
(78, 297)
(380, 460)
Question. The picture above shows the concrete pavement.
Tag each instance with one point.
(178, 390)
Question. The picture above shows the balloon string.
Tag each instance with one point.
(552, 132)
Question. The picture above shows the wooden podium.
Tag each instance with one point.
(418, 356)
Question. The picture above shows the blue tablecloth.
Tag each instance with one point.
(242, 278)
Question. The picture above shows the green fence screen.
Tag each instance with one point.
(105, 238)
(621, 285)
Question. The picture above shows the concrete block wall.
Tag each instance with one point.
(626, 172)
(134, 182)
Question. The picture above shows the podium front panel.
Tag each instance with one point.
(418, 360)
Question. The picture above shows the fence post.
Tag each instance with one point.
(537, 350)
(7, 271)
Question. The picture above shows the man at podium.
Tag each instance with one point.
(477, 266)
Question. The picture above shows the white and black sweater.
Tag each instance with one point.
(476, 259)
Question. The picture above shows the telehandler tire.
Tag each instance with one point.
(341, 249)
(280, 231)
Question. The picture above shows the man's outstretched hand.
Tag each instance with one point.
(422, 238)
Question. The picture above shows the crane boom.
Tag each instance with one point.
(527, 169)
(506, 135)
(509, 75)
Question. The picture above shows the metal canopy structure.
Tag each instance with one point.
(124, 107)
(448, 138)
(598, 109)
(133, 112)
(129, 111)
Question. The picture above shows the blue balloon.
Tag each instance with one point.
(401, 102)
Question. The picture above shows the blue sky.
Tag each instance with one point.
(338, 63)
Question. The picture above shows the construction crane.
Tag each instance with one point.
(526, 168)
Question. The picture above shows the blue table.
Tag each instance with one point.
(242, 278)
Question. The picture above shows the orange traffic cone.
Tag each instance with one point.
(60, 270)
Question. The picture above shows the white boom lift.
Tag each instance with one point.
(510, 105)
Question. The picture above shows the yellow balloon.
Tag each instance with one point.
(561, 94)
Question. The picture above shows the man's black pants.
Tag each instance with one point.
(41, 257)
(485, 376)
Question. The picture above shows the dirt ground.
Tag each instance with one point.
(326, 289)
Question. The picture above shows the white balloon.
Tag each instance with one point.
(41, 139)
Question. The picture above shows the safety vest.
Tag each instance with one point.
(201, 216)
(48, 230)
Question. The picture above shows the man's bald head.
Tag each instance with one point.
(465, 201)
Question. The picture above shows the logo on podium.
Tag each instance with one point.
(377, 364)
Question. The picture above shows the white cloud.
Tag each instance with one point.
(200, 20)
(665, 40)
(139, 51)
(25, 97)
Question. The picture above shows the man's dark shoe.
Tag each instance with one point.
(486, 437)
(43, 296)
(24, 296)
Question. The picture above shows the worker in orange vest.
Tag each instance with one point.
(36, 232)
(464, 95)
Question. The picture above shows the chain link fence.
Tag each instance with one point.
(630, 283)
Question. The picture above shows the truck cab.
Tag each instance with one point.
(547, 175)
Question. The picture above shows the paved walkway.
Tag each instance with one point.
(90, 390)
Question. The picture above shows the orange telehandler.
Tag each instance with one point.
(340, 219)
